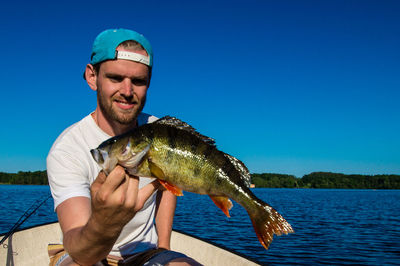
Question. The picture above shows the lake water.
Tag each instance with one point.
(331, 226)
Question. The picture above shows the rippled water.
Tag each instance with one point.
(16, 199)
(331, 226)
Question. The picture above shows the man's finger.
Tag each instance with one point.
(132, 190)
(100, 179)
(145, 193)
(114, 179)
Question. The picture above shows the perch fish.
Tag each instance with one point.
(183, 159)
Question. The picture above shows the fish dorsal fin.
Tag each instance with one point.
(241, 168)
(177, 123)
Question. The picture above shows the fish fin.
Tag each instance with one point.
(158, 172)
(267, 222)
(171, 188)
(155, 170)
(177, 123)
(224, 203)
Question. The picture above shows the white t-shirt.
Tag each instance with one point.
(71, 170)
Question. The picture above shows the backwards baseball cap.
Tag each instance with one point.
(106, 43)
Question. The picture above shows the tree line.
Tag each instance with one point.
(24, 178)
(268, 180)
(327, 180)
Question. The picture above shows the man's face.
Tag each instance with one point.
(121, 90)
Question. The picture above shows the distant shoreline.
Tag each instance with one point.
(327, 180)
(8, 184)
(264, 180)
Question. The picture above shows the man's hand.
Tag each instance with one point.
(116, 199)
(91, 226)
(113, 200)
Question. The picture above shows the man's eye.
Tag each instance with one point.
(116, 78)
(139, 82)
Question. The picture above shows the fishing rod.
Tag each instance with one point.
(21, 220)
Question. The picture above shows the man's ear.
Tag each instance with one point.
(91, 77)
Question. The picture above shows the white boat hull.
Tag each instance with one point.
(29, 247)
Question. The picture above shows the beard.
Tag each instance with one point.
(112, 113)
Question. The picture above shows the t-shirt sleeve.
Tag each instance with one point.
(67, 176)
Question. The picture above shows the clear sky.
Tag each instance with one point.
(286, 86)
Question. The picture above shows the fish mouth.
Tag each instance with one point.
(96, 154)
(103, 159)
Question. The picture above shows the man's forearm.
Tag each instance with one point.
(89, 244)
(164, 218)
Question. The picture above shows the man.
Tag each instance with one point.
(111, 216)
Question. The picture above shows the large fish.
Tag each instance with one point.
(183, 159)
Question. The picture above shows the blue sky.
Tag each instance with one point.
(286, 86)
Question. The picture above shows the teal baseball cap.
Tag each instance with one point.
(106, 43)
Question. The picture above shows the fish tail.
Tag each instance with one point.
(267, 222)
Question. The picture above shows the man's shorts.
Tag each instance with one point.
(164, 257)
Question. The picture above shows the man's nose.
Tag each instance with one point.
(126, 87)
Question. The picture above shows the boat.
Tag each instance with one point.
(29, 247)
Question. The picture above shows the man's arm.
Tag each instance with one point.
(166, 204)
(91, 226)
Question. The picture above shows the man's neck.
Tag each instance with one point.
(111, 128)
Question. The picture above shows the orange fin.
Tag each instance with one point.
(267, 222)
(171, 188)
(159, 174)
(224, 203)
